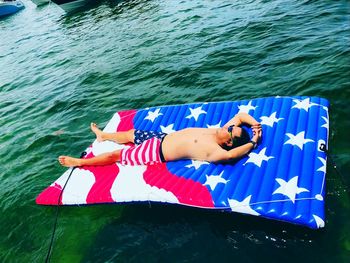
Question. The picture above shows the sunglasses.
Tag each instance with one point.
(230, 130)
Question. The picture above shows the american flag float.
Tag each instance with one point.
(282, 179)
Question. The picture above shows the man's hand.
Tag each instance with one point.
(257, 132)
(255, 126)
(243, 118)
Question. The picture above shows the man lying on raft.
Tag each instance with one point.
(205, 144)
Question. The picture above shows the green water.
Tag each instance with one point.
(60, 72)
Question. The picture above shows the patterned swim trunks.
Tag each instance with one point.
(141, 136)
(147, 149)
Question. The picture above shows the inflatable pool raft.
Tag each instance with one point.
(282, 179)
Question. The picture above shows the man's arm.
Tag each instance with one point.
(243, 118)
(222, 155)
(238, 152)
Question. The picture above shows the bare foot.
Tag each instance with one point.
(97, 131)
(69, 161)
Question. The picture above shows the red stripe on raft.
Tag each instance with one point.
(158, 176)
(105, 176)
(50, 196)
(126, 120)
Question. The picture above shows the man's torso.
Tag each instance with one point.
(190, 143)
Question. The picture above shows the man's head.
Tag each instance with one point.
(237, 137)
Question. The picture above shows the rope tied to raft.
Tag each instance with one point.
(323, 148)
(48, 256)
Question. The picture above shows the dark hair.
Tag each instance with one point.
(243, 139)
(238, 141)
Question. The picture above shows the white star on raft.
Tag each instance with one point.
(304, 104)
(258, 158)
(168, 129)
(152, 115)
(298, 140)
(213, 180)
(289, 188)
(243, 206)
(269, 121)
(196, 164)
(215, 126)
(326, 125)
(246, 108)
(319, 221)
(323, 167)
(195, 113)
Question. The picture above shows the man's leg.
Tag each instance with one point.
(118, 137)
(103, 159)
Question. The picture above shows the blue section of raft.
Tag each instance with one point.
(283, 178)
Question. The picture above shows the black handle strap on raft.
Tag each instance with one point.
(48, 256)
(323, 148)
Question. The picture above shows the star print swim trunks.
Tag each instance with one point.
(141, 136)
(147, 149)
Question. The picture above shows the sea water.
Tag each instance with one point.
(59, 72)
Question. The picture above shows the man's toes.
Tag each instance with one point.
(61, 159)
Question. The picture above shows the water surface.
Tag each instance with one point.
(59, 72)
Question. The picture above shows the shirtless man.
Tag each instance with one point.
(205, 144)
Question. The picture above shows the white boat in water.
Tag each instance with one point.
(10, 7)
(71, 5)
(40, 2)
